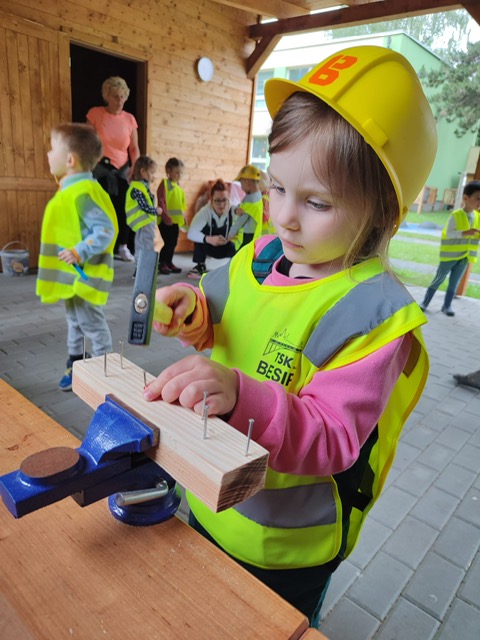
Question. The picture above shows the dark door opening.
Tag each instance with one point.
(89, 68)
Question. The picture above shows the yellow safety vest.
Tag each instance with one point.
(303, 521)
(58, 280)
(136, 217)
(255, 211)
(175, 200)
(464, 247)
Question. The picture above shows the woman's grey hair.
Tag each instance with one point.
(114, 82)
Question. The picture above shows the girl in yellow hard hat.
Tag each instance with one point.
(312, 336)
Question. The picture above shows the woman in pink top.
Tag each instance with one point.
(117, 130)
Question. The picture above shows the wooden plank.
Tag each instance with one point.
(14, 93)
(168, 581)
(270, 8)
(215, 469)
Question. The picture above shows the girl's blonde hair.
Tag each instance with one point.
(114, 82)
(347, 166)
(142, 162)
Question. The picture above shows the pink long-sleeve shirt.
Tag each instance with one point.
(319, 431)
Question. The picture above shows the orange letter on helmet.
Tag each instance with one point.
(328, 73)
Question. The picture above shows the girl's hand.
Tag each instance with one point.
(187, 381)
(173, 305)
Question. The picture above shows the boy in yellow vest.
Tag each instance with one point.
(250, 210)
(171, 199)
(78, 235)
(458, 247)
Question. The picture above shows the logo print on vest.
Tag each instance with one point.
(329, 71)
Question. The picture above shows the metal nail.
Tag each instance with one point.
(205, 420)
(249, 434)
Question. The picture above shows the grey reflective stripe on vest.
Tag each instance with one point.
(291, 508)
(363, 309)
(48, 249)
(216, 285)
(52, 275)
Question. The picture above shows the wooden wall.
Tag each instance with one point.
(207, 125)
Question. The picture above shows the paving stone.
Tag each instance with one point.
(470, 589)
(373, 536)
(404, 618)
(379, 585)
(463, 623)
(411, 542)
(468, 457)
(469, 510)
(342, 579)
(434, 585)
(392, 506)
(348, 621)
(436, 456)
(416, 479)
(435, 508)
(458, 542)
(455, 480)
(453, 438)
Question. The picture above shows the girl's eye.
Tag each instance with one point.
(319, 206)
(277, 188)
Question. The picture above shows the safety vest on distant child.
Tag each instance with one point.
(306, 520)
(175, 200)
(464, 247)
(136, 217)
(58, 280)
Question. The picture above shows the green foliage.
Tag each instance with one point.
(458, 95)
(452, 26)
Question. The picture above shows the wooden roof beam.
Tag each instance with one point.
(473, 9)
(281, 9)
(358, 14)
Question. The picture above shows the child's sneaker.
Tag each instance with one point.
(124, 253)
(173, 268)
(197, 271)
(65, 383)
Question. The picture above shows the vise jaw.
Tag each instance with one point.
(110, 459)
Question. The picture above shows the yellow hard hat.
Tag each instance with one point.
(249, 172)
(378, 92)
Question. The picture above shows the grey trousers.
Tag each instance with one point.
(145, 239)
(86, 319)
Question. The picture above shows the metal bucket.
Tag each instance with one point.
(14, 261)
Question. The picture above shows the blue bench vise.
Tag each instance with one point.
(110, 462)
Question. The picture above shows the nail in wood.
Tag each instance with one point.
(205, 420)
(121, 353)
(249, 434)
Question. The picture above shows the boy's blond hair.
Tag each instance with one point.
(82, 140)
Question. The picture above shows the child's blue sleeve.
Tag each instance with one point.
(96, 227)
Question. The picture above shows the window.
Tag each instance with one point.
(262, 77)
(259, 152)
(296, 73)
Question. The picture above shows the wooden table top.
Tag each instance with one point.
(68, 571)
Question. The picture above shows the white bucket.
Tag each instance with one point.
(14, 261)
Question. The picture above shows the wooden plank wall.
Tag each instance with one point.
(205, 124)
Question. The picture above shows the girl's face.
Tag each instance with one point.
(220, 202)
(116, 98)
(315, 235)
(148, 174)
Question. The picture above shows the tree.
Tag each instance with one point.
(458, 84)
(443, 32)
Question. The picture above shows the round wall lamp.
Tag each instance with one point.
(205, 69)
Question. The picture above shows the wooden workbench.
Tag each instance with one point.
(68, 572)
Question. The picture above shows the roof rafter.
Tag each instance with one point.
(357, 14)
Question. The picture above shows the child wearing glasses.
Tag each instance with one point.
(210, 229)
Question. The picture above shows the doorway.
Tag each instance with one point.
(90, 67)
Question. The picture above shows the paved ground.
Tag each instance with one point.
(416, 572)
